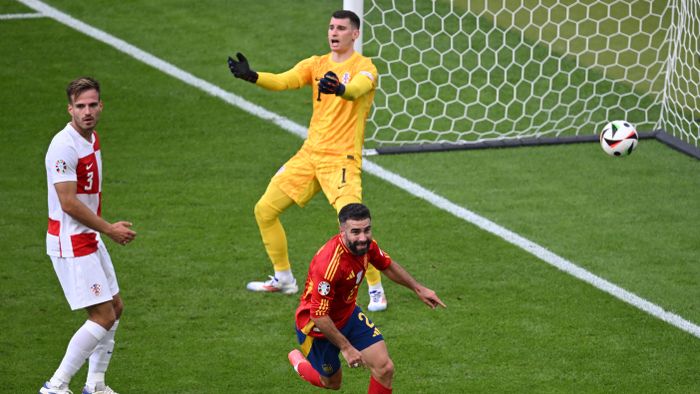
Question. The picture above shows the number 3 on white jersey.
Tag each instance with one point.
(90, 175)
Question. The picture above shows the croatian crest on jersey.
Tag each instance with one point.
(324, 288)
(61, 166)
(96, 289)
(346, 78)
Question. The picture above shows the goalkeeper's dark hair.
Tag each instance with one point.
(354, 211)
(345, 14)
(80, 85)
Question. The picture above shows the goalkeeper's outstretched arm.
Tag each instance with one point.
(286, 80)
(241, 68)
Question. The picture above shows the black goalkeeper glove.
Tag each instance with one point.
(330, 84)
(241, 69)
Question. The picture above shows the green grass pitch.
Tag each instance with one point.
(187, 169)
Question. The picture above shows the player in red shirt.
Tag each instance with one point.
(329, 322)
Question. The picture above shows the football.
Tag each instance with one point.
(619, 138)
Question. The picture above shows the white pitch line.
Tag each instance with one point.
(374, 169)
(21, 16)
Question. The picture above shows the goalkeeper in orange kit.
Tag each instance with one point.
(343, 83)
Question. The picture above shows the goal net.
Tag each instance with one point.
(469, 71)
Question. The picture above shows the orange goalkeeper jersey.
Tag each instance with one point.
(337, 125)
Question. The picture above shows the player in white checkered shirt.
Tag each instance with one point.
(80, 259)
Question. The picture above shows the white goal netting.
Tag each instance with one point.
(479, 70)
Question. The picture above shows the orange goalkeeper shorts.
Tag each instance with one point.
(307, 173)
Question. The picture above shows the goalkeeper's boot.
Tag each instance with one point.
(48, 388)
(377, 301)
(273, 286)
(104, 390)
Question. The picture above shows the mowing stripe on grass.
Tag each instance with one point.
(374, 169)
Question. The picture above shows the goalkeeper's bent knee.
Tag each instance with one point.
(265, 212)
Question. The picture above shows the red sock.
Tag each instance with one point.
(308, 373)
(376, 388)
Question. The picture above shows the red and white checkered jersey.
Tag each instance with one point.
(71, 157)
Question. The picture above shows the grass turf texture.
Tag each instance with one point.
(187, 169)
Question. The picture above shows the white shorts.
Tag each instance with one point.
(87, 280)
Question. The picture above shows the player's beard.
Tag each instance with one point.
(87, 124)
(357, 252)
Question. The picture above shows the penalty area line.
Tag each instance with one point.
(22, 16)
(372, 168)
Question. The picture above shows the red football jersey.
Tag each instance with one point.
(331, 286)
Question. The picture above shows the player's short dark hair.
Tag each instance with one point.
(354, 211)
(345, 14)
(80, 85)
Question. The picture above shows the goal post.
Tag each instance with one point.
(358, 7)
(494, 72)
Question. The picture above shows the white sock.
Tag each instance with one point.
(375, 287)
(79, 349)
(284, 276)
(99, 360)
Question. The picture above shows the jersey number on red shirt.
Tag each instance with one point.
(88, 175)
